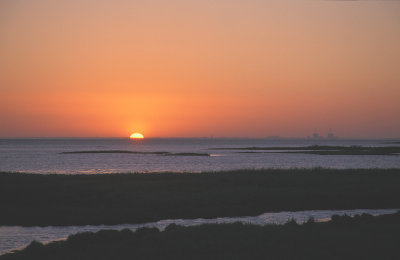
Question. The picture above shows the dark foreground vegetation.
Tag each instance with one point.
(322, 150)
(41, 200)
(361, 237)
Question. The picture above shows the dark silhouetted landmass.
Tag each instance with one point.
(361, 237)
(321, 150)
(391, 142)
(354, 152)
(187, 154)
(34, 199)
(135, 152)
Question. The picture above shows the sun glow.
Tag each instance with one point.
(136, 136)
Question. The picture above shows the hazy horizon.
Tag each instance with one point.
(205, 137)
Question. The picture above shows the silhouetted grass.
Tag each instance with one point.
(360, 237)
(34, 199)
(135, 152)
(322, 150)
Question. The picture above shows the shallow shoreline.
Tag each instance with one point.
(60, 200)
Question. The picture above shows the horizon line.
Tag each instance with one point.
(198, 137)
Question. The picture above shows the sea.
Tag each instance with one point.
(123, 155)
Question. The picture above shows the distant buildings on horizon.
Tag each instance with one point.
(316, 135)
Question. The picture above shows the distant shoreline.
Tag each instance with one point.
(58, 200)
(314, 149)
(320, 150)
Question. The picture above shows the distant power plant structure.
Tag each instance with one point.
(317, 136)
(331, 136)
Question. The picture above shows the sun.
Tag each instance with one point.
(136, 136)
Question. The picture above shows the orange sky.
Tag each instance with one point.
(199, 68)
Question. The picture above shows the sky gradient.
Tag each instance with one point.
(199, 68)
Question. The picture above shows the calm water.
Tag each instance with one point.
(18, 237)
(43, 155)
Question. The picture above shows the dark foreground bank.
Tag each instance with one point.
(32, 199)
(361, 237)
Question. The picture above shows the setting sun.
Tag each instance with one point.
(136, 136)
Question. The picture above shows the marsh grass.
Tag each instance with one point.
(359, 237)
(42, 200)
